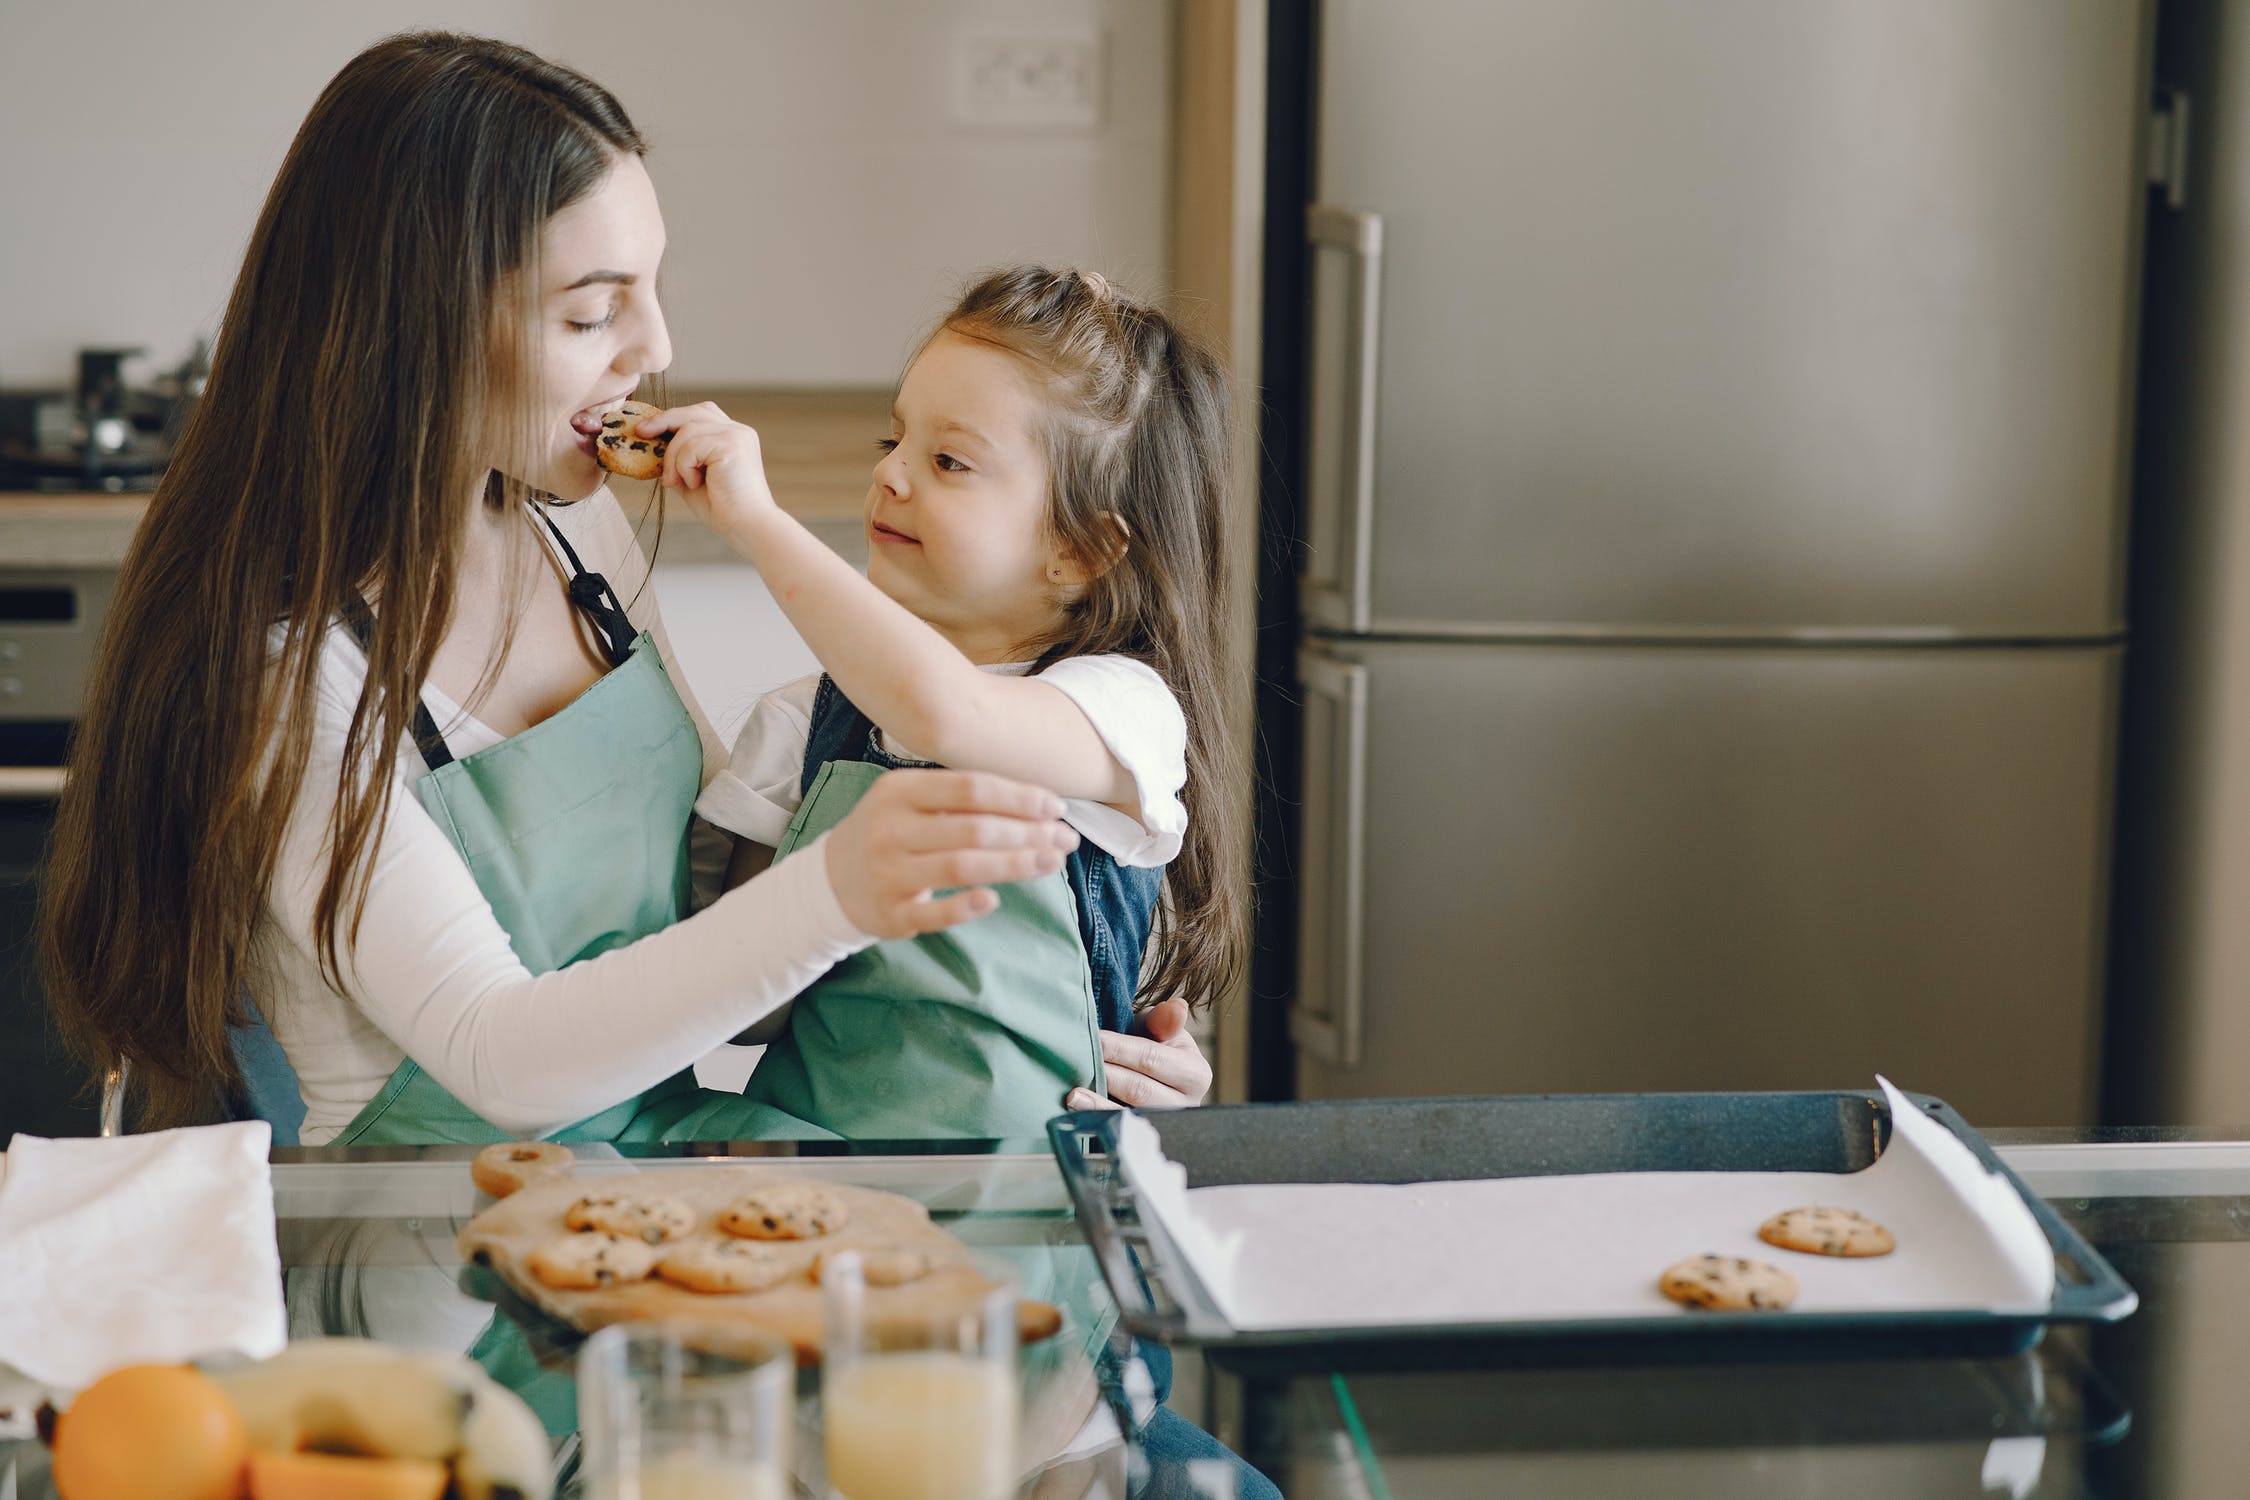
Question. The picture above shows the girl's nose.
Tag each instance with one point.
(890, 473)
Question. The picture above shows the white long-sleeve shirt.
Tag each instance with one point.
(432, 974)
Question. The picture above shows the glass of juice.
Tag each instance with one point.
(919, 1394)
(671, 1411)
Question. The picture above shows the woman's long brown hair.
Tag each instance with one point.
(370, 365)
(1138, 426)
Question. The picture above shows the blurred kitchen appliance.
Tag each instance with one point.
(50, 620)
(1703, 431)
(103, 433)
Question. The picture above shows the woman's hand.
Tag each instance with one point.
(919, 832)
(1158, 1067)
(715, 461)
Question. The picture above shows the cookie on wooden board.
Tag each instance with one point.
(504, 1168)
(580, 1262)
(785, 1211)
(654, 1217)
(714, 1266)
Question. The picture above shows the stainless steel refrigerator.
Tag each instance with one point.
(1706, 455)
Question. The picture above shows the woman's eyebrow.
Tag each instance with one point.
(594, 278)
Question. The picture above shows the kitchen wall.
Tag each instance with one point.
(822, 197)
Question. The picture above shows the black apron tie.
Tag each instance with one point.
(589, 591)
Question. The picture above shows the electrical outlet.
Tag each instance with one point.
(1043, 80)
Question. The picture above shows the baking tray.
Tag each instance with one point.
(1435, 1140)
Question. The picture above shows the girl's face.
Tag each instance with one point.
(600, 329)
(957, 516)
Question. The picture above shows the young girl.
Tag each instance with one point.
(1046, 598)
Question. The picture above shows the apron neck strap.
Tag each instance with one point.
(593, 595)
(360, 621)
(588, 590)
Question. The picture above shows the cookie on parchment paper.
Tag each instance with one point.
(1827, 1231)
(1728, 1283)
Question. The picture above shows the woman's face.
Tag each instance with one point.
(600, 329)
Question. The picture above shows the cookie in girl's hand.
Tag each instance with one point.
(623, 453)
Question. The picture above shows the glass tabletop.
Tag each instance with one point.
(2145, 1409)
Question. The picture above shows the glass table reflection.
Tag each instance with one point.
(2147, 1409)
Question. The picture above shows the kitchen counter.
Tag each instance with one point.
(2147, 1409)
(819, 447)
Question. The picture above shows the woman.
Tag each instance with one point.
(383, 734)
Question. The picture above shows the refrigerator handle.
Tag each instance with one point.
(1341, 597)
(1326, 1015)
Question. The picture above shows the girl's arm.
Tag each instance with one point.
(901, 673)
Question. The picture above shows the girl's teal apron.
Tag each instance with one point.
(978, 1031)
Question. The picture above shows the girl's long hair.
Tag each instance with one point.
(1138, 426)
(373, 365)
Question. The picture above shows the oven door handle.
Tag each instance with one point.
(30, 783)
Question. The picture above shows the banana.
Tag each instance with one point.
(356, 1396)
(504, 1450)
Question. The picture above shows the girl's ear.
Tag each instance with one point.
(1070, 569)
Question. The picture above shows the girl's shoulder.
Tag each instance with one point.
(1126, 676)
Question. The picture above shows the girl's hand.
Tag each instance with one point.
(919, 832)
(714, 460)
(1160, 1067)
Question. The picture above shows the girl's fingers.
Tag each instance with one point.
(974, 792)
(932, 833)
(1168, 1074)
(979, 867)
(935, 915)
(1142, 1092)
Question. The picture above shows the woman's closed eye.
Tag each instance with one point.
(577, 327)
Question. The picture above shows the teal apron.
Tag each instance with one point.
(577, 833)
(977, 1031)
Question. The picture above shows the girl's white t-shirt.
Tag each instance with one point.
(432, 973)
(1125, 700)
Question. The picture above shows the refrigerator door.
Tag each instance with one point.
(1738, 316)
(1540, 868)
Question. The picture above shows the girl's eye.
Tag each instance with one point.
(607, 319)
(949, 462)
(886, 445)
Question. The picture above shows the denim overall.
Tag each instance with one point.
(975, 1032)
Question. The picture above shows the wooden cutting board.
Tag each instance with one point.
(505, 1235)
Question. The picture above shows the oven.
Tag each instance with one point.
(50, 619)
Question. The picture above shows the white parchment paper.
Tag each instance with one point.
(1325, 1255)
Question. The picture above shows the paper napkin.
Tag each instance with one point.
(137, 1249)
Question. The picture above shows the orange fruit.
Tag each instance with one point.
(151, 1432)
(333, 1476)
